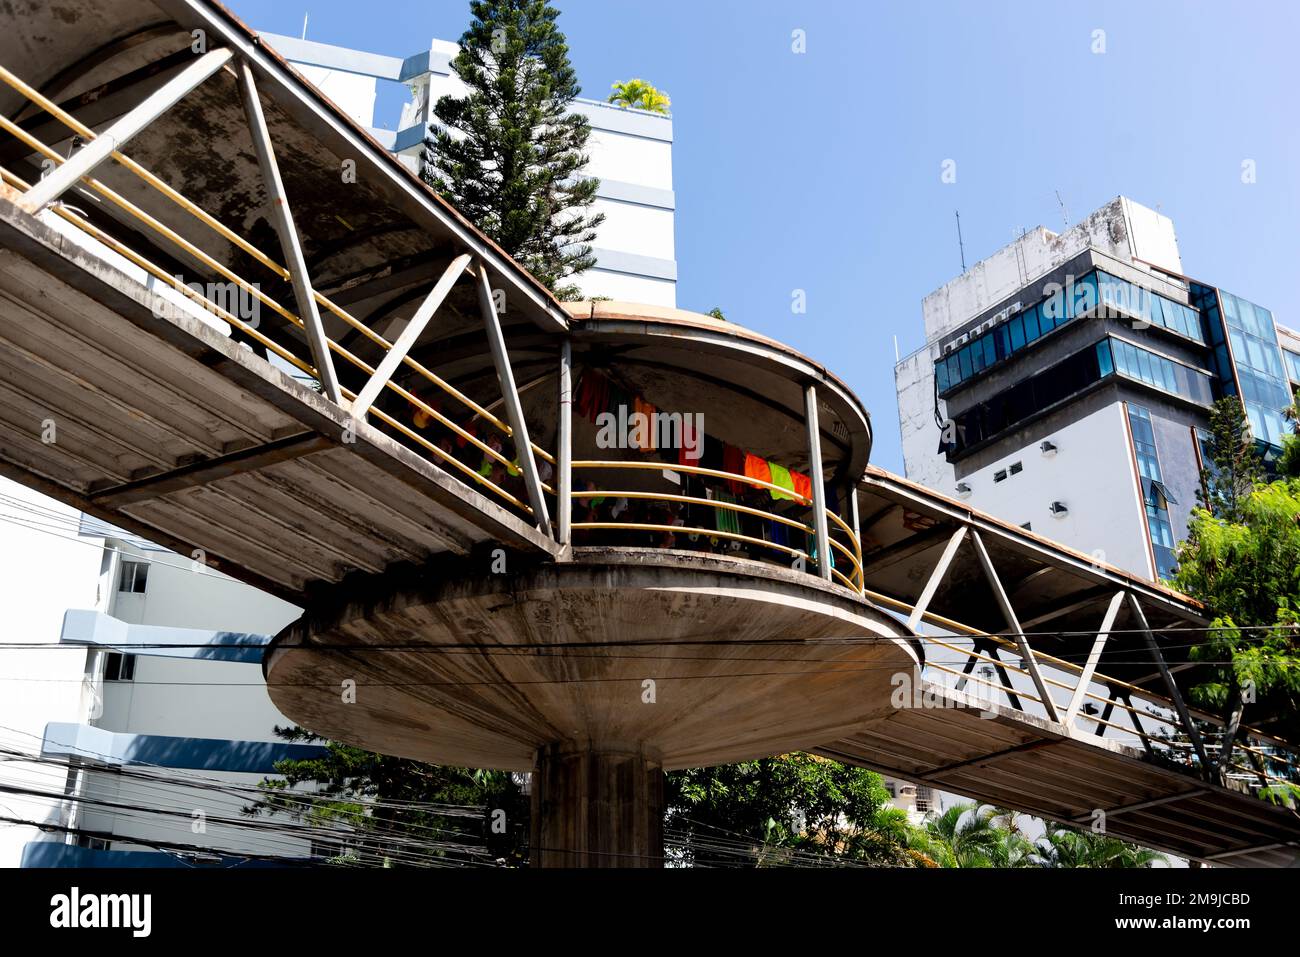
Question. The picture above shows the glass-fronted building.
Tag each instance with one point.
(1090, 361)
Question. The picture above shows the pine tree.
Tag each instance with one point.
(1235, 466)
(509, 155)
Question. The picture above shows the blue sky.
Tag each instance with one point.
(821, 171)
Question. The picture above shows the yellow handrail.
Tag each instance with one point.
(230, 235)
(853, 557)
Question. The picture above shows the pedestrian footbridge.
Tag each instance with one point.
(594, 540)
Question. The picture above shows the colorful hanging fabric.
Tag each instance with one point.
(757, 468)
(781, 477)
(802, 486)
(593, 395)
(726, 519)
(649, 441)
(733, 461)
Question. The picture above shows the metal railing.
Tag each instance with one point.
(849, 548)
(1273, 761)
(293, 352)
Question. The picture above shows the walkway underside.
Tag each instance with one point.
(996, 755)
(687, 659)
(165, 427)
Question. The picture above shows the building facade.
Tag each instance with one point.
(1067, 380)
(630, 153)
(171, 728)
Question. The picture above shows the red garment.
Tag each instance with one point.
(733, 461)
(586, 391)
(757, 468)
(802, 485)
(593, 395)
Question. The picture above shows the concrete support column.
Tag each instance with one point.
(596, 809)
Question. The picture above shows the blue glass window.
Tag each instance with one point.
(1082, 297)
(1154, 494)
(1104, 361)
(1031, 324)
(1292, 360)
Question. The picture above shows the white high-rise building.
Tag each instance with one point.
(631, 153)
(1067, 379)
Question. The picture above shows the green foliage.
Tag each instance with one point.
(509, 155)
(785, 808)
(1235, 466)
(716, 313)
(640, 95)
(969, 835)
(1067, 847)
(396, 810)
(1288, 463)
(978, 835)
(1247, 572)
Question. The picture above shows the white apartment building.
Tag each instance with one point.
(631, 153)
(1066, 383)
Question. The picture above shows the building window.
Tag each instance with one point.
(1134, 362)
(1125, 299)
(1095, 293)
(1000, 475)
(1155, 495)
(133, 577)
(923, 798)
(119, 667)
(1292, 360)
(1016, 468)
(1069, 378)
(1265, 392)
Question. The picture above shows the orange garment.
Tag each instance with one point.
(757, 468)
(648, 410)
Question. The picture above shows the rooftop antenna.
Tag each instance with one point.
(304, 25)
(1065, 213)
(960, 244)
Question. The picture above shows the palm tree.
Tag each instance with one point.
(638, 94)
(1016, 850)
(1066, 847)
(966, 835)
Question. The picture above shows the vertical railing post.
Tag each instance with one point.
(510, 393)
(856, 523)
(1094, 656)
(564, 450)
(1180, 707)
(1013, 623)
(290, 243)
(818, 481)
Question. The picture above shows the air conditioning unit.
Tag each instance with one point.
(1058, 509)
(963, 489)
(1048, 448)
(1014, 308)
